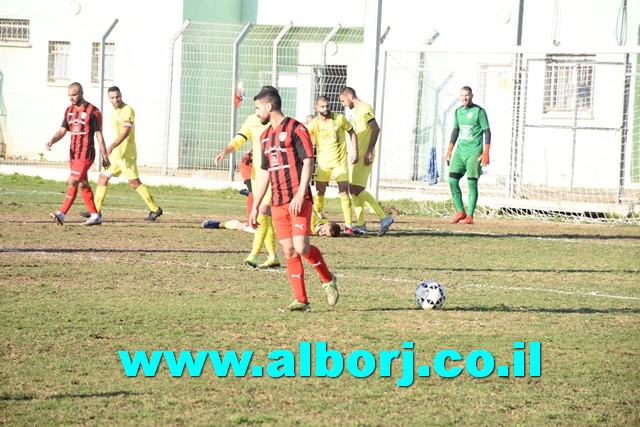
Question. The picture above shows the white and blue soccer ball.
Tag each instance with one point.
(430, 295)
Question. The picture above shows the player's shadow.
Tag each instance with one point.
(19, 398)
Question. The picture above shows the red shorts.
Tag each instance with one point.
(287, 225)
(80, 167)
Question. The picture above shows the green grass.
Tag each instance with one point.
(71, 297)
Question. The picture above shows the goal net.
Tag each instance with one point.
(565, 131)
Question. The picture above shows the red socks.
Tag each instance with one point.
(296, 278)
(315, 258)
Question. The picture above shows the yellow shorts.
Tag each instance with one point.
(128, 167)
(266, 200)
(359, 173)
(340, 173)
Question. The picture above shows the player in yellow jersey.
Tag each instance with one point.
(367, 131)
(251, 130)
(328, 130)
(123, 156)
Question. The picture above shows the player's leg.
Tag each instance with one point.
(345, 203)
(301, 232)
(130, 170)
(358, 176)
(87, 194)
(72, 192)
(474, 169)
(318, 199)
(341, 175)
(322, 176)
(247, 183)
(269, 239)
(103, 182)
(457, 170)
(295, 269)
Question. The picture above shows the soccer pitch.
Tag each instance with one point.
(73, 297)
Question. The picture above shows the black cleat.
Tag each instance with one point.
(154, 215)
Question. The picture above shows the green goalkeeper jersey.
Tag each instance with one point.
(471, 122)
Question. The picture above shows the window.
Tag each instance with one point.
(109, 62)
(329, 81)
(569, 84)
(58, 70)
(14, 31)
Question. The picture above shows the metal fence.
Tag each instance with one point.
(565, 125)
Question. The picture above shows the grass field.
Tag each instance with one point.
(72, 297)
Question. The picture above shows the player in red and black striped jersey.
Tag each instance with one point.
(287, 163)
(84, 121)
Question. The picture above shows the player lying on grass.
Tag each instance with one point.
(320, 226)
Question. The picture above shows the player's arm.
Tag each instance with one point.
(484, 157)
(237, 142)
(353, 157)
(375, 131)
(484, 123)
(123, 135)
(56, 137)
(303, 147)
(452, 141)
(103, 149)
(305, 180)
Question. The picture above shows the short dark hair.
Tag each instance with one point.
(270, 95)
(77, 86)
(114, 89)
(348, 90)
(467, 88)
(335, 229)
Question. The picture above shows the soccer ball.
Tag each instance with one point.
(430, 295)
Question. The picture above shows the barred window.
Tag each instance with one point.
(109, 62)
(58, 69)
(569, 82)
(14, 31)
(329, 80)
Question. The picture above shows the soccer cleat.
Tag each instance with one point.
(85, 214)
(94, 220)
(271, 262)
(331, 289)
(468, 220)
(385, 223)
(348, 231)
(321, 215)
(211, 224)
(298, 306)
(244, 191)
(154, 215)
(58, 217)
(359, 230)
(251, 260)
(459, 217)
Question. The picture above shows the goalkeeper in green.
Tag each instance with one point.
(470, 125)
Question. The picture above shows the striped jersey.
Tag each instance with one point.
(82, 122)
(283, 150)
